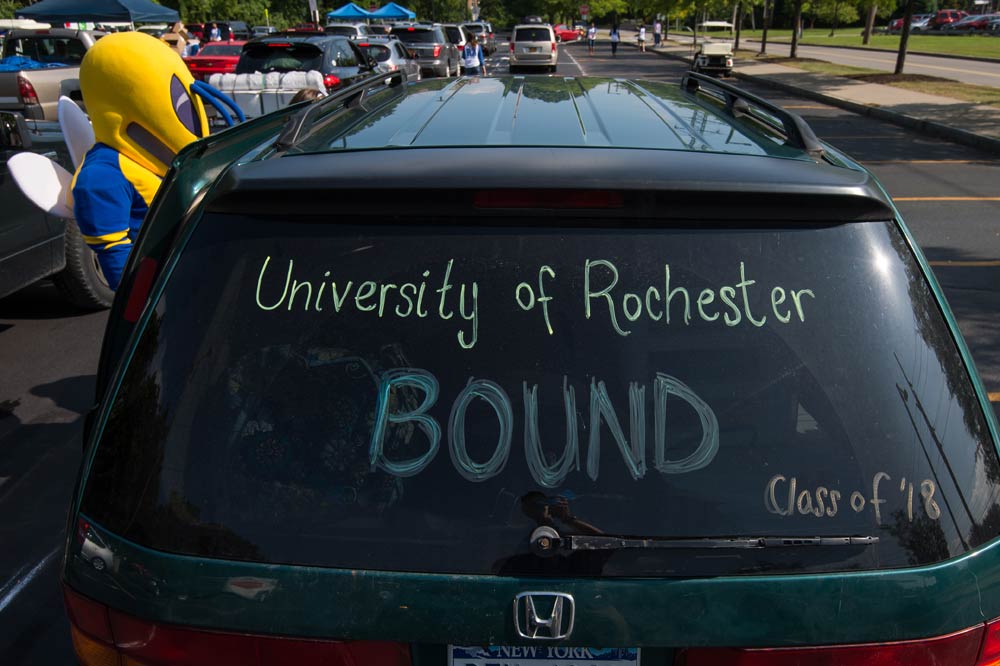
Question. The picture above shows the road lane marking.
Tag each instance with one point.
(966, 264)
(578, 65)
(946, 198)
(994, 396)
(16, 584)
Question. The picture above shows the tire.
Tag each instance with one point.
(99, 564)
(552, 68)
(82, 281)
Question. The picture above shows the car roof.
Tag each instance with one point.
(302, 37)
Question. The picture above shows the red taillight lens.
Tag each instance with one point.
(331, 81)
(104, 637)
(512, 47)
(557, 199)
(958, 649)
(437, 50)
(553, 47)
(139, 292)
(990, 654)
(280, 45)
(26, 91)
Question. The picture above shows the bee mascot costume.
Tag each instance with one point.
(144, 106)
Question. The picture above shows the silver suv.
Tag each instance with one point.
(351, 30)
(430, 45)
(484, 33)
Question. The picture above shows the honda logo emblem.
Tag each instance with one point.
(544, 615)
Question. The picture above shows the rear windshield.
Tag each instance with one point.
(268, 57)
(50, 50)
(220, 50)
(476, 28)
(379, 52)
(345, 30)
(532, 35)
(455, 35)
(416, 36)
(417, 398)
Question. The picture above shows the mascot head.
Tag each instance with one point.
(139, 96)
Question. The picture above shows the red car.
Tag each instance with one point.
(565, 33)
(215, 58)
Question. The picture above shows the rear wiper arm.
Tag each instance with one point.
(546, 541)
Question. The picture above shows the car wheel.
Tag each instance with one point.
(82, 281)
(99, 564)
(552, 68)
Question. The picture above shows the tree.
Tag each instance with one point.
(904, 37)
(796, 28)
(8, 7)
(834, 12)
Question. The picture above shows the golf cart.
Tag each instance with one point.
(715, 58)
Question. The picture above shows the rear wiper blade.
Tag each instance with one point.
(546, 541)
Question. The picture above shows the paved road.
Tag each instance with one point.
(972, 72)
(48, 353)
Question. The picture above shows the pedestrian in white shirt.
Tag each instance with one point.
(642, 38)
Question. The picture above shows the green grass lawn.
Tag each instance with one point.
(981, 46)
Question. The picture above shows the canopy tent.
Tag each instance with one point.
(124, 11)
(392, 11)
(349, 11)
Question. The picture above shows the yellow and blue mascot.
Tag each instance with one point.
(145, 106)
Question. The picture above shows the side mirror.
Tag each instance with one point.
(14, 134)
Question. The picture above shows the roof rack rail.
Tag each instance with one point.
(343, 98)
(739, 102)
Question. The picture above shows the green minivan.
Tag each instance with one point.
(650, 377)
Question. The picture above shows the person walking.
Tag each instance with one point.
(472, 57)
(657, 32)
(614, 40)
(591, 37)
(642, 38)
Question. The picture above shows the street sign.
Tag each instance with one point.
(584, 10)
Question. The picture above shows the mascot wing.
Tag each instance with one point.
(76, 129)
(44, 182)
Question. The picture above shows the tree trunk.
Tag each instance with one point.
(765, 19)
(870, 23)
(739, 24)
(836, 11)
(904, 37)
(796, 27)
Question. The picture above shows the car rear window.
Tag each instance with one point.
(221, 50)
(532, 35)
(422, 398)
(417, 36)
(50, 50)
(379, 52)
(455, 35)
(280, 57)
(344, 30)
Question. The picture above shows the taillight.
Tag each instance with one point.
(512, 47)
(26, 91)
(105, 637)
(553, 47)
(437, 50)
(82, 527)
(990, 654)
(139, 291)
(331, 81)
(958, 649)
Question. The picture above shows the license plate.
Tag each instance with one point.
(533, 49)
(501, 655)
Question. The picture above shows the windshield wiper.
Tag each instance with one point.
(546, 541)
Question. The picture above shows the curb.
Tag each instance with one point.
(866, 48)
(928, 127)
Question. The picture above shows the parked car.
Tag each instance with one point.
(196, 30)
(971, 23)
(392, 55)
(533, 45)
(742, 427)
(263, 30)
(457, 35)
(271, 70)
(228, 30)
(214, 58)
(715, 58)
(944, 17)
(34, 245)
(566, 33)
(32, 91)
(352, 30)
(437, 56)
(484, 33)
(896, 25)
